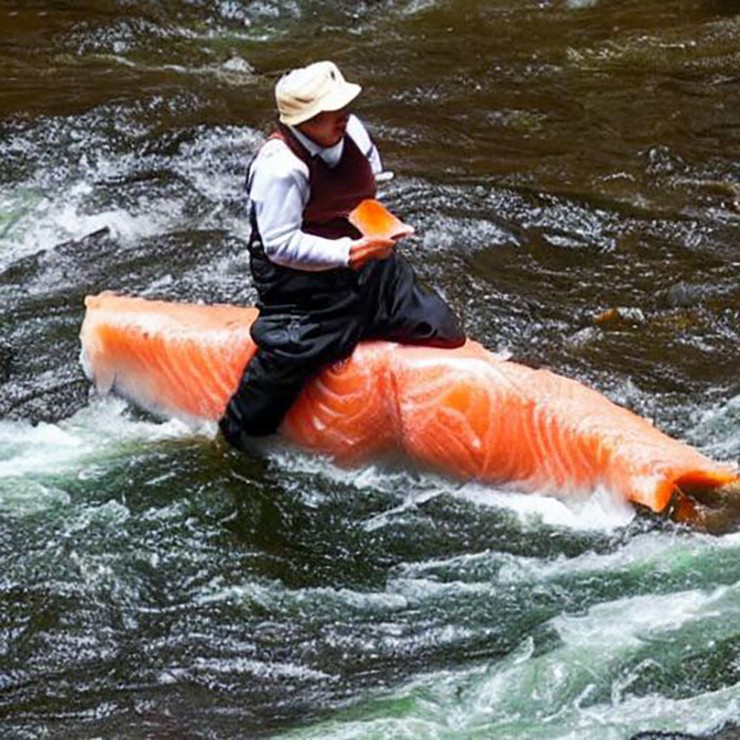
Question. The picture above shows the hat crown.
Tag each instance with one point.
(309, 83)
(303, 93)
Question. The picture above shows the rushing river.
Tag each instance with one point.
(558, 158)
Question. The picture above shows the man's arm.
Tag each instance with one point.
(279, 193)
(365, 144)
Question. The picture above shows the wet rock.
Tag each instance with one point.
(685, 295)
(620, 315)
(583, 337)
(661, 160)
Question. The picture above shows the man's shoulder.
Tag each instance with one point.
(356, 129)
(361, 136)
(276, 157)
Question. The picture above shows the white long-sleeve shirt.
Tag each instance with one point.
(279, 192)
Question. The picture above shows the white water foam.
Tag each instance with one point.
(582, 689)
(55, 203)
(717, 430)
(600, 511)
(40, 221)
(32, 455)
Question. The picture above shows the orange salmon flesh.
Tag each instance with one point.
(373, 219)
(463, 412)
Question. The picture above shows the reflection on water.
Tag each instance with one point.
(571, 168)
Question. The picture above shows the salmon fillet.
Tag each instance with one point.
(463, 412)
(372, 218)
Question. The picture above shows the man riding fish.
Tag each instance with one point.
(323, 287)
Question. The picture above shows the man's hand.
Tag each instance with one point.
(369, 248)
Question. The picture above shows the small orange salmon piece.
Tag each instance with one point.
(372, 218)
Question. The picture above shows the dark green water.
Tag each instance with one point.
(557, 159)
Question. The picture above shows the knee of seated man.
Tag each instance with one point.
(451, 334)
(448, 342)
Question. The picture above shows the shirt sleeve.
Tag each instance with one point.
(278, 193)
(364, 142)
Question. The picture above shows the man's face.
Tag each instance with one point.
(327, 128)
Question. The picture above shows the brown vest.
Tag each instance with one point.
(334, 191)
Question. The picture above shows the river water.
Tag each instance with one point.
(558, 158)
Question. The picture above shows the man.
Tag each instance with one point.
(322, 286)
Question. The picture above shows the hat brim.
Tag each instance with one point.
(340, 97)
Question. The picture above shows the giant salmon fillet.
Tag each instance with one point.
(463, 412)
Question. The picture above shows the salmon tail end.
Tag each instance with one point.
(707, 503)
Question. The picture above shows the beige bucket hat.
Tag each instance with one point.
(304, 93)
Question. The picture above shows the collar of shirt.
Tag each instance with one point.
(331, 154)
